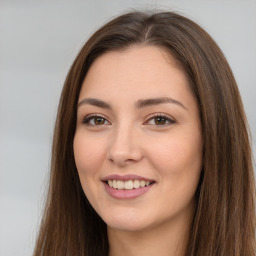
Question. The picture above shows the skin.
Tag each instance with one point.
(129, 140)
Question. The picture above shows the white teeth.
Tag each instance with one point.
(120, 184)
(136, 184)
(110, 183)
(130, 184)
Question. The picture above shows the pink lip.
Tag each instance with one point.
(125, 177)
(126, 193)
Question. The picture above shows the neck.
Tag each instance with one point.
(167, 239)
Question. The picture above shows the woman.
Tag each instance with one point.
(151, 151)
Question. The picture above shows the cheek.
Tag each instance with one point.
(88, 154)
(179, 157)
(89, 157)
(179, 163)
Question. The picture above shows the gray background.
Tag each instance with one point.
(38, 42)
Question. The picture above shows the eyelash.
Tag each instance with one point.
(159, 115)
(88, 118)
(168, 120)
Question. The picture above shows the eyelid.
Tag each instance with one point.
(87, 118)
(169, 118)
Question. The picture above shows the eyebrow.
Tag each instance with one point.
(139, 104)
(94, 102)
(157, 101)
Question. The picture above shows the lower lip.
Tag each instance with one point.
(127, 193)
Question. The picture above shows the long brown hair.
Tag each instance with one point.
(224, 221)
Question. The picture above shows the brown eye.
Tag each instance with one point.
(159, 120)
(99, 120)
(95, 120)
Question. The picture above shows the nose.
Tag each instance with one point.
(124, 147)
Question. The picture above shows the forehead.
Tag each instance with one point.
(137, 70)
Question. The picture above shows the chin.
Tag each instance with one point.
(126, 223)
(126, 226)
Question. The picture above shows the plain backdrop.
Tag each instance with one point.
(38, 42)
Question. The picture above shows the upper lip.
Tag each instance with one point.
(125, 177)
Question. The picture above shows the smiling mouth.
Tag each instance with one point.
(128, 185)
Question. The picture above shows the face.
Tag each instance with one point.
(138, 141)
